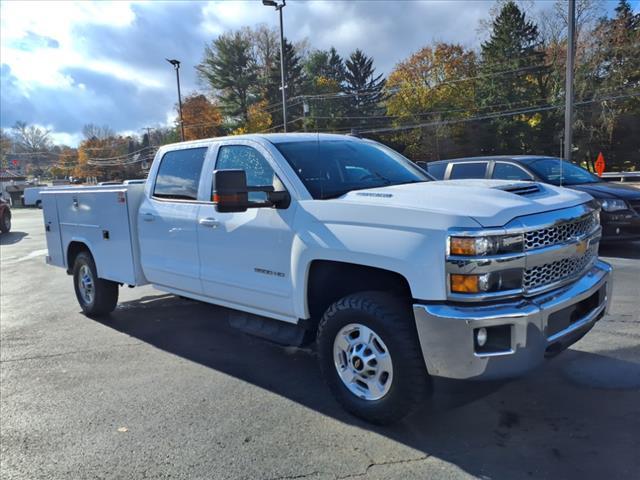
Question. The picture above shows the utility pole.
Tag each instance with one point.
(568, 110)
(279, 7)
(176, 66)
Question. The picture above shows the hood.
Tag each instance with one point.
(491, 203)
(608, 190)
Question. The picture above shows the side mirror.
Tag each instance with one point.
(230, 192)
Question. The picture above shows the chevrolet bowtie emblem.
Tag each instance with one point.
(581, 247)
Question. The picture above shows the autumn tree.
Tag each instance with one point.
(434, 85)
(6, 145)
(259, 119)
(324, 74)
(202, 119)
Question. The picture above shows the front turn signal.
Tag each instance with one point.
(465, 283)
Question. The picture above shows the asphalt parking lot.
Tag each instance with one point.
(164, 388)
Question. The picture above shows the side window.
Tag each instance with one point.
(509, 171)
(468, 170)
(179, 174)
(437, 170)
(257, 168)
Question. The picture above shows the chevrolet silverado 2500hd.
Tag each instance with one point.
(342, 241)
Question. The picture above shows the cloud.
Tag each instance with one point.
(70, 63)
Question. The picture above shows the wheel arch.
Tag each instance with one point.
(72, 251)
(330, 280)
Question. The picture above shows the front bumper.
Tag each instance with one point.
(539, 326)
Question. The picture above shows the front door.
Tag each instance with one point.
(168, 219)
(246, 257)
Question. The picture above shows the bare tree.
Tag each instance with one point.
(91, 130)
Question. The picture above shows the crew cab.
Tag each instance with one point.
(341, 241)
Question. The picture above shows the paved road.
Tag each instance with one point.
(165, 389)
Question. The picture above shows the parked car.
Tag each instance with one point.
(342, 241)
(620, 204)
(5, 216)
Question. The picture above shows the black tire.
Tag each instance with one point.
(105, 292)
(39, 204)
(5, 223)
(391, 319)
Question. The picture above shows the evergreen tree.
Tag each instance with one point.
(324, 75)
(363, 87)
(294, 82)
(513, 75)
(229, 68)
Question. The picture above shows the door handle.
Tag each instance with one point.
(209, 222)
(148, 217)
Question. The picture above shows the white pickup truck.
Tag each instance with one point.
(342, 241)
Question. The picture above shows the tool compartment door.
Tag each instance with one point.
(55, 255)
(100, 219)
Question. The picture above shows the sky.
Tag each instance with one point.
(66, 64)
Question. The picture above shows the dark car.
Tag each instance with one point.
(620, 215)
(5, 217)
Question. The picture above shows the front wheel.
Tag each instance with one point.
(370, 357)
(96, 296)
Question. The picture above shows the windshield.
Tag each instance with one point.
(549, 170)
(331, 168)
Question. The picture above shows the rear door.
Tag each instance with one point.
(167, 221)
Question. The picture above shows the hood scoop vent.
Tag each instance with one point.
(521, 189)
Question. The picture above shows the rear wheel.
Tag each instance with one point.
(370, 357)
(5, 222)
(39, 204)
(96, 296)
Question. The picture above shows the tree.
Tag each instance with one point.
(229, 68)
(611, 69)
(363, 87)
(324, 75)
(259, 119)
(35, 145)
(91, 130)
(202, 119)
(6, 145)
(294, 80)
(433, 85)
(515, 77)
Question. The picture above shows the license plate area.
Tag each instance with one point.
(564, 318)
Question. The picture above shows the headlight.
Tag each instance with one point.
(487, 282)
(612, 204)
(483, 246)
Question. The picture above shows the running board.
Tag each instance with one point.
(276, 331)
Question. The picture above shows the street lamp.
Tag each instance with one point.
(279, 6)
(176, 66)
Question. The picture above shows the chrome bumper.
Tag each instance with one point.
(447, 337)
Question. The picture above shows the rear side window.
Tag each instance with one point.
(437, 169)
(468, 170)
(508, 171)
(179, 174)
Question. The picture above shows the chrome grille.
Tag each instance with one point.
(560, 233)
(558, 270)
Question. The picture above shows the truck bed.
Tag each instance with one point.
(102, 217)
